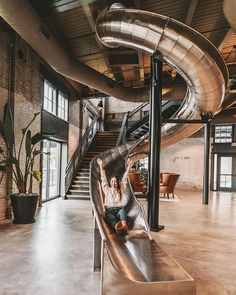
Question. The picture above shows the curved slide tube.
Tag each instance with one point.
(193, 56)
(135, 263)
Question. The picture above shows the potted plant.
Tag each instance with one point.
(144, 175)
(24, 201)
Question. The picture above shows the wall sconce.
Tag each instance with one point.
(100, 104)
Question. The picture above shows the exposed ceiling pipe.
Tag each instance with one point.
(193, 56)
(229, 7)
(21, 16)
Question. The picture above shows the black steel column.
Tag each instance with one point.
(207, 143)
(154, 146)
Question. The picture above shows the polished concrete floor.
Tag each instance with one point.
(54, 255)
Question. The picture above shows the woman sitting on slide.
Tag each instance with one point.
(115, 201)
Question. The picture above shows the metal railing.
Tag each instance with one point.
(71, 168)
(126, 119)
(129, 125)
(134, 114)
(123, 130)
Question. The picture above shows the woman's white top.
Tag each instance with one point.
(114, 197)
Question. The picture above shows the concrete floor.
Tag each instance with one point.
(202, 239)
(54, 255)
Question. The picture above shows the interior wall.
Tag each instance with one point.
(114, 105)
(26, 98)
(75, 119)
(115, 111)
(4, 71)
(187, 159)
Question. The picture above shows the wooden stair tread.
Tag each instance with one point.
(103, 141)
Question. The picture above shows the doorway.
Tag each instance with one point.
(225, 172)
(51, 170)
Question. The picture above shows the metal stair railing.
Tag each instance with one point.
(123, 130)
(128, 128)
(125, 123)
(82, 147)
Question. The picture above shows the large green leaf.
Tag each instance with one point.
(27, 127)
(8, 124)
(9, 161)
(40, 136)
(28, 143)
(3, 163)
(1, 128)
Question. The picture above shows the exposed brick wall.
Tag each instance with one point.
(4, 72)
(27, 101)
(185, 158)
(27, 97)
(28, 80)
(115, 110)
(74, 139)
(85, 120)
(114, 105)
(23, 113)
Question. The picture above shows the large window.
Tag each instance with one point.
(223, 134)
(55, 101)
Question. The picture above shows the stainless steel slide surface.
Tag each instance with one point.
(135, 264)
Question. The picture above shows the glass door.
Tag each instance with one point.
(226, 173)
(51, 167)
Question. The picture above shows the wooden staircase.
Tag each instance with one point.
(102, 141)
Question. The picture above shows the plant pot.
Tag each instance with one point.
(24, 207)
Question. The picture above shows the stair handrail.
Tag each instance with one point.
(126, 128)
(79, 152)
(123, 130)
(125, 123)
(138, 108)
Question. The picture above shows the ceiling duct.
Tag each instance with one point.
(188, 52)
(229, 7)
(21, 16)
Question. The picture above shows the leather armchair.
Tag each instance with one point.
(168, 182)
(137, 184)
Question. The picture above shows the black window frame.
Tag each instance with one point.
(58, 91)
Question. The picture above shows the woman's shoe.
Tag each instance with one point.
(118, 226)
(121, 228)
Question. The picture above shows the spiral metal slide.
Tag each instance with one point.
(135, 264)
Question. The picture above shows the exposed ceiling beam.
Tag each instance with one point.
(123, 60)
(90, 18)
(47, 8)
(141, 68)
(224, 39)
(220, 38)
(137, 5)
(191, 10)
(217, 38)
